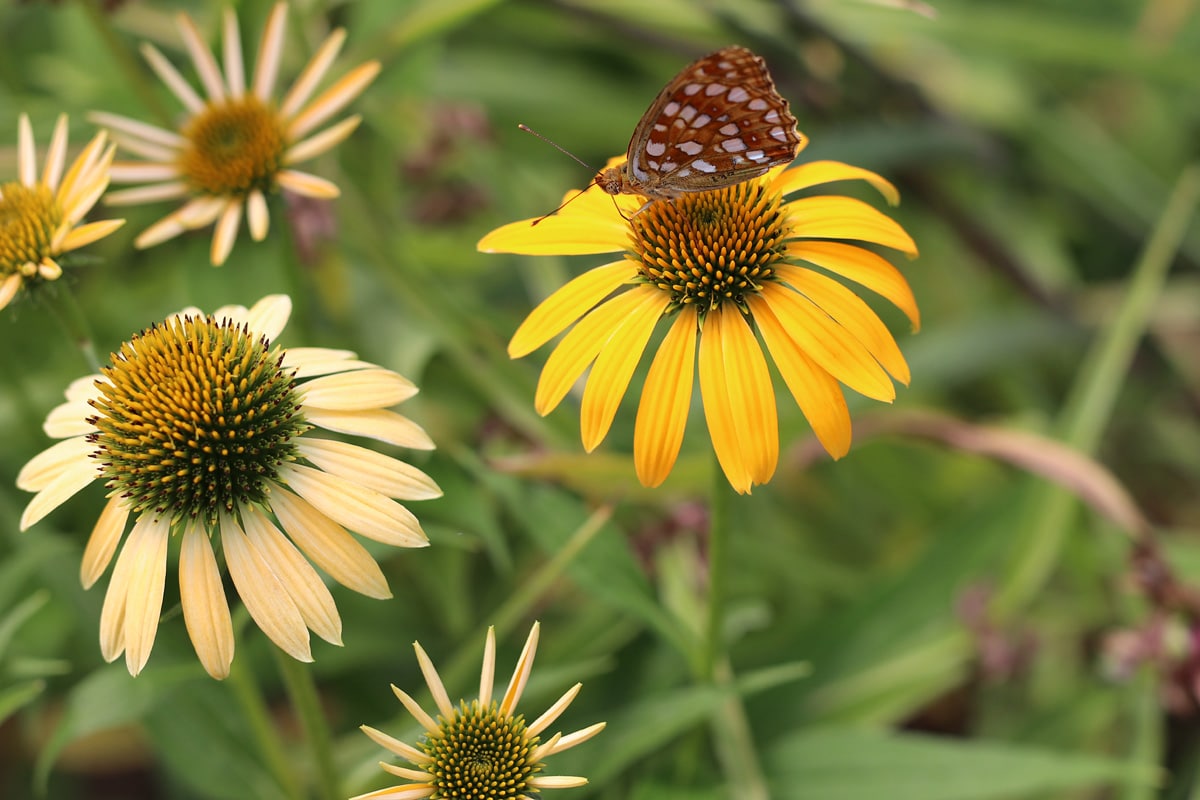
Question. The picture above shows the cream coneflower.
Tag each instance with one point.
(199, 427)
(39, 217)
(481, 749)
(727, 267)
(239, 144)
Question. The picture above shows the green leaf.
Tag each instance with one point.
(848, 764)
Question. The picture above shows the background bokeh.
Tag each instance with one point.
(960, 608)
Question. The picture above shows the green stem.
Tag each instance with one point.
(718, 546)
(1088, 408)
(302, 690)
(134, 75)
(734, 742)
(60, 301)
(258, 715)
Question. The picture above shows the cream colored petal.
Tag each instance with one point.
(398, 793)
(556, 782)
(319, 143)
(235, 70)
(202, 59)
(65, 485)
(362, 510)
(360, 390)
(112, 612)
(83, 389)
(86, 234)
(555, 711)
(380, 424)
(56, 155)
(258, 217)
(575, 298)
(333, 99)
(614, 367)
(329, 545)
(405, 772)
(151, 134)
(8, 288)
(78, 201)
(312, 361)
(295, 574)
(578, 737)
(226, 232)
(402, 749)
(413, 707)
(487, 674)
(718, 411)
(270, 49)
(49, 269)
(386, 475)
(307, 185)
(147, 548)
(101, 545)
(316, 68)
(578, 349)
(83, 176)
(269, 316)
(147, 194)
(205, 609)
(202, 211)
(26, 153)
(666, 400)
(47, 466)
(132, 172)
(170, 76)
(434, 681)
(516, 686)
(166, 228)
(269, 604)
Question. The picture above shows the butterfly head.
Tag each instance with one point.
(612, 180)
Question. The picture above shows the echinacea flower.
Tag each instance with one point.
(239, 144)
(480, 749)
(199, 428)
(39, 217)
(728, 268)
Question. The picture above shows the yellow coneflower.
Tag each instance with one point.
(733, 269)
(238, 144)
(200, 428)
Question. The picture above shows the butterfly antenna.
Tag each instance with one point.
(565, 152)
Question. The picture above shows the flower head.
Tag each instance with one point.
(720, 265)
(39, 217)
(238, 144)
(480, 749)
(199, 427)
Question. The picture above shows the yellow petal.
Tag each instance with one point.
(833, 217)
(828, 344)
(614, 366)
(864, 268)
(579, 348)
(817, 172)
(592, 229)
(520, 676)
(567, 304)
(86, 234)
(718, 411)
(205, 610)
(666, 397)
(816, 391)
(852, 314)
(751, 395)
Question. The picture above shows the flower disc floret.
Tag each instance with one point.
(481, 753)
(29, 216)
(195, 418)
(233, 148)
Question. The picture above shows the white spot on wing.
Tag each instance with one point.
(701, 121)
(670, 109)
(733, 145)
(771, 116)
(756, 155)
(729, 130)
(714, 89)
(687, 113)
(668, 166)
(738, 95)
(691, 148)
(779, 133)
(692, 88)
(703, 165)
(758, 104)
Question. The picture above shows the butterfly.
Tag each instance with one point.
(720, 121)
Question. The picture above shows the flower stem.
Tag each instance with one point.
(734, 742)
(60, 301)
(718, 543)
(306, 703)
(254, 708)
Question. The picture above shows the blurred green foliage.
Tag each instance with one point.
(1036, 146)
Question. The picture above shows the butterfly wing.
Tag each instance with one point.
(718, 122)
